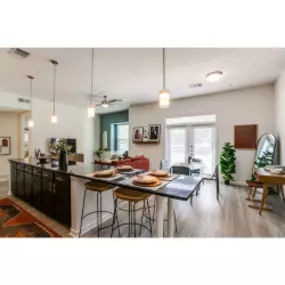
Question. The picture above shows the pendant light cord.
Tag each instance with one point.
(31, 90)
(163, 67)
(54, 82)
(31, 93)
(92, 74)
(55, 63)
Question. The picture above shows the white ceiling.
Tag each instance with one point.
(135, 74)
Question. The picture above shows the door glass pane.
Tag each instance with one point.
(177, 145)
(203, 147)
(123, 138)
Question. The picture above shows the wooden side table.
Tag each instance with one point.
(267, 178)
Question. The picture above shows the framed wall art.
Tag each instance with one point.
(138, 134)
(245, 137)
(5, 145)
(154, 131)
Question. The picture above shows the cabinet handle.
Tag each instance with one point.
(54, 190)
(59, 179)
(45, 175)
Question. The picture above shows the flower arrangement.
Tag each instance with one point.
(99, 152)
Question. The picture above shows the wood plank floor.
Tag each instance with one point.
(207, 217)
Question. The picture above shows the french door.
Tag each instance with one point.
(197, 140)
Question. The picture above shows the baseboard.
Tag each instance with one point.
(90, 226)
(4, 177)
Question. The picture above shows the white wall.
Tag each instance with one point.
(246, 106)
(72, 123)
(9, 127)
(280, 115)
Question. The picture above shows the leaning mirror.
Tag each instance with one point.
(265, 151)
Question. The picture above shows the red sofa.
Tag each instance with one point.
(139, 162)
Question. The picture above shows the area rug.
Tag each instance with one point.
(16, 222)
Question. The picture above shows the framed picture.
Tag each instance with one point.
(5, 145)
(154, 132)
(145, 134)
(137, 134)
(245, 137)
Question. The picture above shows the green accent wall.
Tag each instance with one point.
(105, 124)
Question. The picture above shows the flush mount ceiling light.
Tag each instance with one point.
(214, 76)
(91, 108)
(53, 116)
(105, 105)
(164, 94)
(31, 122)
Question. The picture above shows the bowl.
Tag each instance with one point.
(278, 170)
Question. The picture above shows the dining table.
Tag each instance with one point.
(180, 188)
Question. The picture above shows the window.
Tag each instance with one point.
(122, 138)
(191, 120)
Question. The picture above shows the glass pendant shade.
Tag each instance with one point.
(164, 94)
(91, 111)
(164, 98)
(30, 123)
(53, 119)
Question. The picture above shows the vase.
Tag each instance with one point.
(227, 182)
(62, 163)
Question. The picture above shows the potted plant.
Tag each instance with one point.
(228, 162)
(62, 149)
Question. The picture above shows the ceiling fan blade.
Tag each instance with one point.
(115, 100)
(99, 104)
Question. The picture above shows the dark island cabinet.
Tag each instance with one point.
(37, 188)
(14, 181)
(47, 190)
(61, 195)
(20, 175)
(28, 186)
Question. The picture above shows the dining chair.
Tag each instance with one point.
(216, 176)
(180, 169)
(197, 171)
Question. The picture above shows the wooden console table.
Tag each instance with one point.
(267, 178)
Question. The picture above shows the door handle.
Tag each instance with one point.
(54, 190)
(45, 175)
(59, 179)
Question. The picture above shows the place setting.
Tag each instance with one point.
(163, 175)
(128, 170)
(108, 174)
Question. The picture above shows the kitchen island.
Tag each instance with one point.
(59, 193)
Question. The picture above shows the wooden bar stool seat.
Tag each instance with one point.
(132, 197)
(97, 186)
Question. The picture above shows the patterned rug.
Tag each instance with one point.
(16, 222)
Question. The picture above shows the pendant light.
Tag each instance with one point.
(91, 108)
(53, 116)
(31, 122)
(164, 94)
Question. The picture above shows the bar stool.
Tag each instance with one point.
(132, 197)
(99, 188)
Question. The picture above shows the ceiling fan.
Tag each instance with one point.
(106, 103)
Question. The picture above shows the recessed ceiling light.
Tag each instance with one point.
(214, 76)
